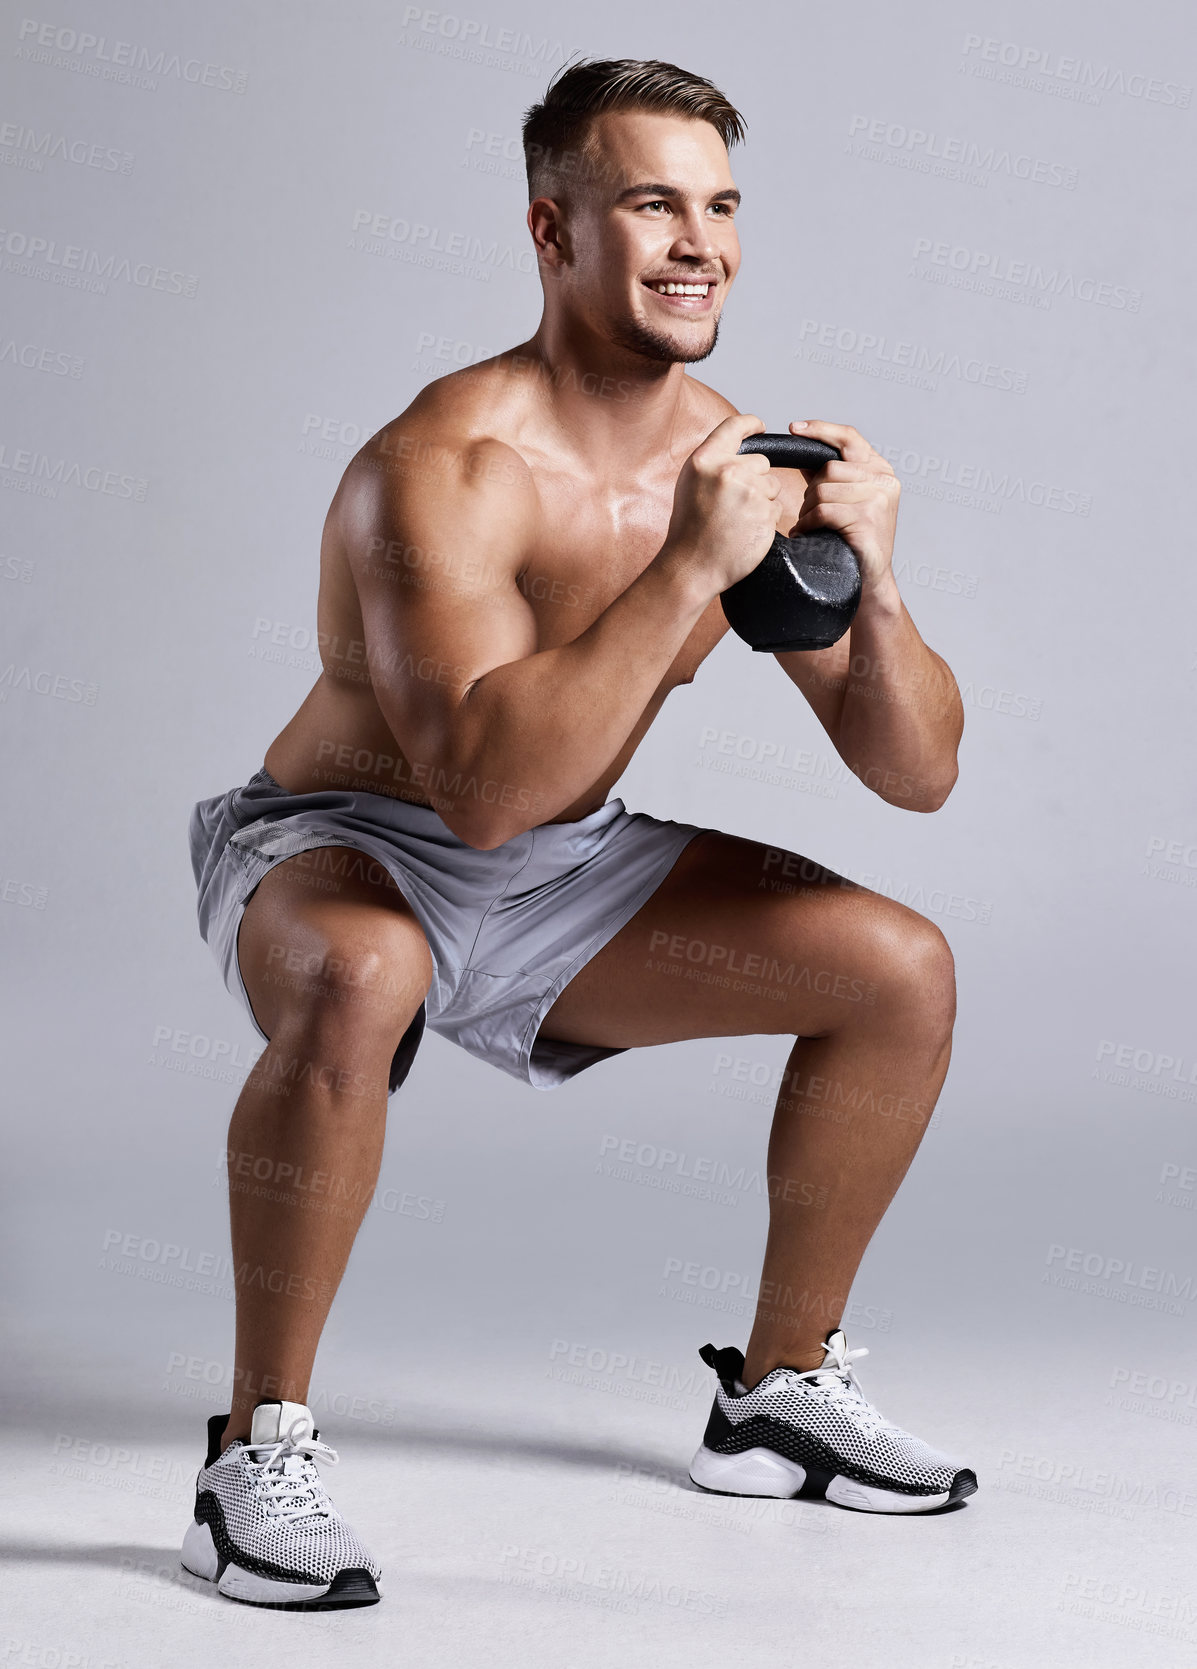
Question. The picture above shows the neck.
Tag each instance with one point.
(619, 404)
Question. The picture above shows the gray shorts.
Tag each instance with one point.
(507, 929)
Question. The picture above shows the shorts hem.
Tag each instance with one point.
(544, 1076)
(258, 834)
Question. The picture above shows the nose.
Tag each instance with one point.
(695, 238)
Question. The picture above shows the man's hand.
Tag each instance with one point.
(724, 508)
(857, 497)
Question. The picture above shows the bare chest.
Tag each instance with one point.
(591, 545)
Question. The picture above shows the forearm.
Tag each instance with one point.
(548, 725)
(901, 718)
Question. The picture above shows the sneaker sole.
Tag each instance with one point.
(762, 1472)
(348, 1588)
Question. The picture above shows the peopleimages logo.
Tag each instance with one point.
(907, 355)
(31, 255)
(33, 357)
(1174, 861)
(1041, 282)
(688, 1381)
(1153, 1061)
(35, 148)
(1119, 1278)
(1002, 484)
(394, 228)
(69, 472)
(479, 42)
(1154, 1071)
(1043, 70)
(920, 149)
(115, 60)
(42, 682)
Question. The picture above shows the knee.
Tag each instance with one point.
(916, 976)
(356, 994)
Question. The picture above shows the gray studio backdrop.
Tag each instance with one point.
(235, 243)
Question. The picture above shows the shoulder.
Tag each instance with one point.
(445, 449)
(437, 487)
(708, 403)
(446, 436)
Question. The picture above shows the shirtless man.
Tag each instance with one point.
(515, 573)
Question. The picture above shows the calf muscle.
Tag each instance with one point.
(335, 973)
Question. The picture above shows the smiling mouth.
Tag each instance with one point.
(687, 294)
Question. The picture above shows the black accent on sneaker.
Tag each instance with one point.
(728, 1363)
(964, 1483)
(760, 1432)
(208, 1511)
(351, 1587)
(815, 1487)
(216, 1427)
(719, 1428)
(348, 1588)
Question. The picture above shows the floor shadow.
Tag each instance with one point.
(123, 1556)
(450, 1437)
(557, 1450)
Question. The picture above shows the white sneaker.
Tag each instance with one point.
(265, 1530)
(816, 1435)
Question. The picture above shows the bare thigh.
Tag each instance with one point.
(327, 937)
(743, 938)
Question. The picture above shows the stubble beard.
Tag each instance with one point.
(653, 344)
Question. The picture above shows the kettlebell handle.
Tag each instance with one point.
(805, 591)
(791, 451)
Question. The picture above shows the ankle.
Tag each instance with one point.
(759, 1363)
(233, 1430)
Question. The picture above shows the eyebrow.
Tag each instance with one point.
(657, 190)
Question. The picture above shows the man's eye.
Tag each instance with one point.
(724, 209)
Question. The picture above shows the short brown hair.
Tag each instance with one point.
(556, 131)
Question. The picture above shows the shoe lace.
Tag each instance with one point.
(836, 1381)
(286, 1479)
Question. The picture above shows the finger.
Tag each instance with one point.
(837, 516)
(875, 469)
(849, 442)
(844, 492)
(724, 439)
(752, 463)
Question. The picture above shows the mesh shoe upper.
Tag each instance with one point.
(822, 1419)
(269, 1512)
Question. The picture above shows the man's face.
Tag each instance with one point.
(657, 209)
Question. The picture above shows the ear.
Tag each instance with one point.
(550, 234)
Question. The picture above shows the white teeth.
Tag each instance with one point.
(682, 289)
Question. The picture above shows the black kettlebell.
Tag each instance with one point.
(804, 592)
